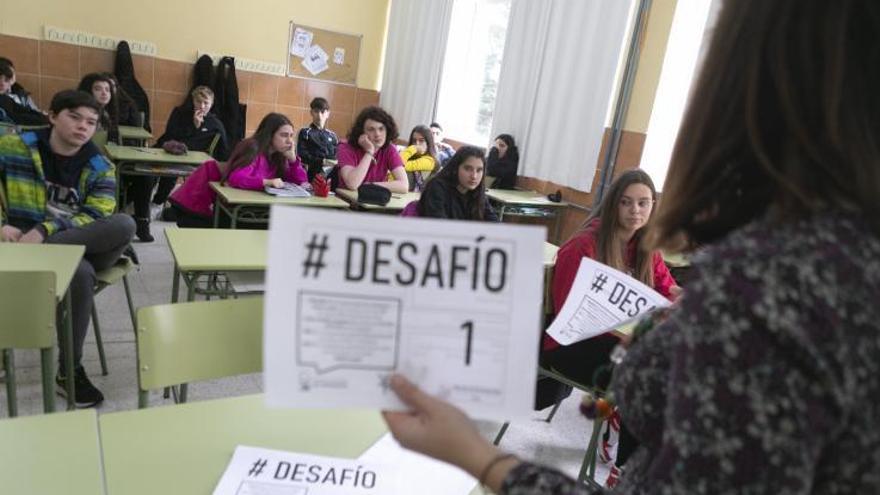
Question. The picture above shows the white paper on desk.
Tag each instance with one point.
(413, 469)
(302, 40)
(337, 323)
(602, 299)
(315, 60)
(257, 471)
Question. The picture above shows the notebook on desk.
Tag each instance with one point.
(288, 191)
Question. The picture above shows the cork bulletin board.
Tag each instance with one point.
(321, 54)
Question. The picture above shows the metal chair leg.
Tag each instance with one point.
(130, 303)
(501, 433)
(98, 340)
(589, 464)
(47, 369)
(9, 366)
(553, 411)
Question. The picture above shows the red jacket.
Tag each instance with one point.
(584, 244)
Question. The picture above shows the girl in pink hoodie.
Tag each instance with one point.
(265, 159)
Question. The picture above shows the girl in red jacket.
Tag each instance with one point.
(613, 236)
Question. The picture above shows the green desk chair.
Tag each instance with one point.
(106, 278)
(184, 342)
(100, 139)
(27, 306)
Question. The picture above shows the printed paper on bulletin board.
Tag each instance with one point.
(321, 54)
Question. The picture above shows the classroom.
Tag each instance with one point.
(423, 246)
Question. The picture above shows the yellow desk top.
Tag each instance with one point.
(522, 198)
(233, 196)
(51, 453)
(61, 259)
(118, 153)
(185, 448)
(134, 132)
(218, 249)
(398, 201)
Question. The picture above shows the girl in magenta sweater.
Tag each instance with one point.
(268, 158)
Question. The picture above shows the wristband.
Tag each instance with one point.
(495, 460)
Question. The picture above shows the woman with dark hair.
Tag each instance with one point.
(419, 157)
(103, 88)
(766, 376)
(457, 191)
(503, 162)
(369, 156)
(612, 235)
(265, 159)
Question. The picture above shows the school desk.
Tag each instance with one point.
(185, 448)
(153, 162)
(63, 260)
(51, 453)
(135, 133)
(526, 204)
(201, 256)
(241, 205)
(397, 203)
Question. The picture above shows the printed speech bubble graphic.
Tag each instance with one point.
(347, 331)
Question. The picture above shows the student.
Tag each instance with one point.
(613, 235)
(266, 158)
(442, 150)
(61, 190)
(197, 128)
(765, 378)
(102, 88)
(457, 192)
(419, 157)
(15, 101)
(503, 162)
(127, 110)
(316, 143)
(369, 154)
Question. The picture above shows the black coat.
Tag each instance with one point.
(180, 128)
(503, 169)
(226, 105)
(124, 71)
(203, 72)
(21, 114)
(440, 199)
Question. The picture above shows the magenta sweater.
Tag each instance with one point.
(252, 176)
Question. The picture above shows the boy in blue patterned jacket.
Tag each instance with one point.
(59, 189)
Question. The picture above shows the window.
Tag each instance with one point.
(471, 68)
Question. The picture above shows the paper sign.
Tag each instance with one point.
(602, 299)
(432, 477)
(339, 56)
(315, 60)
(256, 471)
(302, 40)
(454, 306)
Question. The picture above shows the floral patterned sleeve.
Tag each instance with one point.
(531, 479)
(747, 397)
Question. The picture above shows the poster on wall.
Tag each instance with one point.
(315, 53)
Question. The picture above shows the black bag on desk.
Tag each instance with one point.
(373, 194)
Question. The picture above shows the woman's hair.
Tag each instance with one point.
(608, 249)
(784, 122)
(125, 104)
(425, 132)
(448, 175)
(261, 143)
(110, 113)
(379, 115)
(512, 150)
